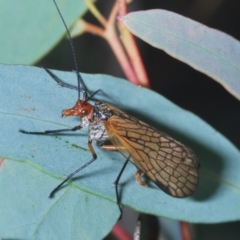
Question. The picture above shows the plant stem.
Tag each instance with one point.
(131, 47)
(185, 231)
(92, 8)
(119, 232)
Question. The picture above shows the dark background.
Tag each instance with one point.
(171, 78)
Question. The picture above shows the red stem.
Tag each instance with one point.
(131, 47)
(119, 232)
(185, 231)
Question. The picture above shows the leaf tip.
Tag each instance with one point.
(120, 18)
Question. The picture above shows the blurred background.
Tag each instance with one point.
(171, 78)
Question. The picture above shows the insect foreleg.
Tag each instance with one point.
(52, 131)
(59, 81)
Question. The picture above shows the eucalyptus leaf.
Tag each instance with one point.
(205, 49)
(30, 29)
(85, 208)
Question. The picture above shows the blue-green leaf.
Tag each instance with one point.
(30, 29)
(207, 50)
(86, 208)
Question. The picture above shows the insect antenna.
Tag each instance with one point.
(81, 86)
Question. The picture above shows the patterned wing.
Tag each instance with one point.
(172, 166)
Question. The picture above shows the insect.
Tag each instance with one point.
(171, 165)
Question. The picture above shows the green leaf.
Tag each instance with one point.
(30, 29)
(207, 50)
(34, 165)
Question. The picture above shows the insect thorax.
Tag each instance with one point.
(97, 130)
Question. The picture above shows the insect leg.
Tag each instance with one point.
(78, 170)
(116, 187)
(139, 180)
(111, 148)
(52, 131)
(66, 85)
